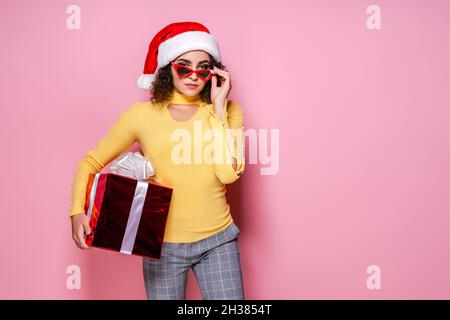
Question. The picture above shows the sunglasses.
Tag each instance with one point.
(183, 71)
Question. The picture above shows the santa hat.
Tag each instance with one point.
(173, 41)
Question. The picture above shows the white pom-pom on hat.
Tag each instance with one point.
(145, 81)
(173, 41)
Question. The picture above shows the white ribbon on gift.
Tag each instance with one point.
(133, 164)
(92, 196)
(136, 166)
(133, 219)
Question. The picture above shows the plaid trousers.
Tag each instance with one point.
(215, 262)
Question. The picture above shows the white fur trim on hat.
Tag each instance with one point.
(187, 41)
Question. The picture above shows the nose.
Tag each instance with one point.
(193, 76)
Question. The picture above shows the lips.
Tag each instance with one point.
(191, 86)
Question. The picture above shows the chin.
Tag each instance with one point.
(191, 93)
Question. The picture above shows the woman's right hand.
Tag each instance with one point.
(80, 224)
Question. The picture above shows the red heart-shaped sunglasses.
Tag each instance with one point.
(184, 71)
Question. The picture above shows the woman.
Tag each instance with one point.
(189, 106)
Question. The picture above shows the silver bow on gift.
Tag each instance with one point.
(133, 164)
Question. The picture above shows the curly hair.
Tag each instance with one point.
(162, 86)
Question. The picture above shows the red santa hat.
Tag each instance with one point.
(173, 41)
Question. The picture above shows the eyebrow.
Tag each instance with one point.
(188, 61)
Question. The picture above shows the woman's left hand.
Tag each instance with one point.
(219, 94)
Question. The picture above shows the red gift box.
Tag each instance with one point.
(127, 215)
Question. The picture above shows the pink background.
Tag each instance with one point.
(363, 117)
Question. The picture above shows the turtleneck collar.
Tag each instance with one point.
(179, 98)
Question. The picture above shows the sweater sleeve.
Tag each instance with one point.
(230, 132)
(121, 135)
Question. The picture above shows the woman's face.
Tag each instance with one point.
(195, 60)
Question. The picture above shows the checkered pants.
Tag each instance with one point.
(215, 262)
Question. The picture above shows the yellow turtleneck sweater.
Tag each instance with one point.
(179, 152)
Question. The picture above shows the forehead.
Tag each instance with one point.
(195, 56)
